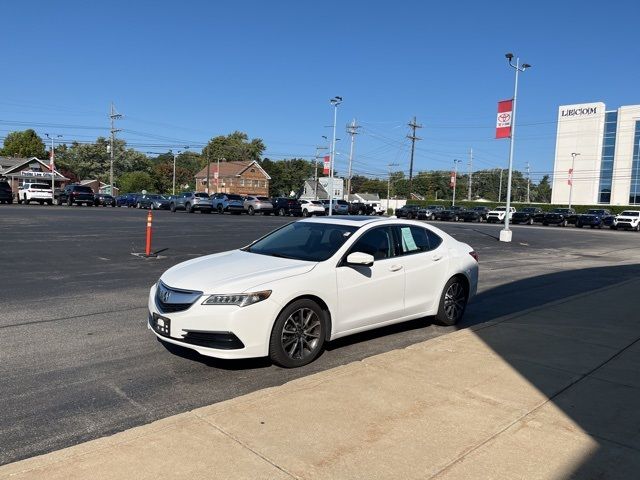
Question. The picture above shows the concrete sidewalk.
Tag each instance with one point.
(550, 393)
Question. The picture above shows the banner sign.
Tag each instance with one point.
(570, 179)
(503, 119)
(327, 165)
(452, 181)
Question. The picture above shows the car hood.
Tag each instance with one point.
(235, 271)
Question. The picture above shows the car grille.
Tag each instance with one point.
(170, 300)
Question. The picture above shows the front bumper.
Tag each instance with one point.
(245, 329)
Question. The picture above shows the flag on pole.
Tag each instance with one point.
(327, 165)
(570, 179)
(503, 119)
(452, 182)
(51, 161)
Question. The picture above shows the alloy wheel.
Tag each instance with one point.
(454, 301)
(301, 334)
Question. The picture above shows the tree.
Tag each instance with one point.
(542, 191)
(26, 143)
(135, 182)
(233, 147)
(287, 175)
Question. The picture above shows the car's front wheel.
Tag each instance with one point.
(453, 302)
(298, 334)
(251, 211)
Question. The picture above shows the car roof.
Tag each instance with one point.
(356, 220)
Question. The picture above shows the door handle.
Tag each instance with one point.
(395, 268)
(436, 257)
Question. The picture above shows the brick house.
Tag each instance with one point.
(29, 170)
(242, 178)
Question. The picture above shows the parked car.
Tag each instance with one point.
(432, 212)
(227, 202)
(340, 207)
(256, 204)
(451, 214)
(559, 216)
(528, 215)
(153, 201)
(311, 208)
(272, 298)
(35, 192)
(104, 200)
(475, 214)
(129, 200)
(498, 214)
(6, 194)
(360, 208)
(628, 220)
(191, 202)
(377, 208)
(286, 206)
(407, 211)
(593, 218)
(76, 194)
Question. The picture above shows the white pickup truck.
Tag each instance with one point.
(497, 214)
(627, 220)
(35, 192)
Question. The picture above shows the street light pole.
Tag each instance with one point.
(315, 170)
(52, 164)
(506, 234)
(573, 163)
(335, 101)
(455, 180)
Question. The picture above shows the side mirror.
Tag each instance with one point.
(360, 259)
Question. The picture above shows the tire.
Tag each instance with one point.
(409, 216)
(432, 217)
(637, 228)
(453, 302)
(564, 223)
(151, 206)
(281, 212)
(579, 225)
(58, 201)
(297, 344)
(251, 211)
(305, 213)
(545, 224)
(530, 222)
(455, 219)
(220, 209)
(138, 205)
(172, 207)
(188, 208)
(69, 202)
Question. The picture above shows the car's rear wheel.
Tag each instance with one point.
(69, 202)
(530, 221)
(188, 208)
(172, 207)
(453, 302)
(281, 212)
(432, 217)
(298, 334)
(564, 223)
(220, 209)
(251, 210)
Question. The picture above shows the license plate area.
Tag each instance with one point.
(160, 324)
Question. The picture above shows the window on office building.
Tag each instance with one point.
(634, 191)
(608, 152)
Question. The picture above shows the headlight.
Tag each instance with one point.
(239, 299)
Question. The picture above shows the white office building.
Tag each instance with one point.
(606, 166)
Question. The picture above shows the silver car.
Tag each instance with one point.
(254, 204)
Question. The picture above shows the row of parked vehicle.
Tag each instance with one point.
(187, 201)
(594, 218)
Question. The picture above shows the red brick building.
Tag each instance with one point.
(242, 178)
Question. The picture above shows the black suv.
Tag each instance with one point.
(287, 206)
(408, 211)
(6, 194)
(528, 215)
(76, 194)
(476, 214)
(559, 216)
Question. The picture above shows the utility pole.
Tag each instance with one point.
(528, 184)
(389, 185)
(52, 163)
(470, 172)
(315, 172)
(413, 124)
(353, 131)
(335, 101)
(455, 180)
(113, 115)
(500, 188)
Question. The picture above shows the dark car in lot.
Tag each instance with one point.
(6, 194)
(528, 216)
(153, 201)
(594, 218)
(451, 214)
(284, 206)
(128, 200)
(104, 200)
(408, 211)
(431, 212)
(360, 208)
(559, 216)
(76, 195)
(475, 214)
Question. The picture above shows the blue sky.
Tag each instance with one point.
(182, 72)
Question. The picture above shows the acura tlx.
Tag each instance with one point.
(312, 281)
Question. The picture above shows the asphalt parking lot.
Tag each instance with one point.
(77, 361)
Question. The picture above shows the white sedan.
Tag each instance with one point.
(312, 281)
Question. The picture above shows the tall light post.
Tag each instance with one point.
(573, 163)
(505, 235)
(335, 101)
(174, 169)
(315, 172)
(455, 180)
(52, 163)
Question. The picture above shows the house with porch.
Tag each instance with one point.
(18, 171)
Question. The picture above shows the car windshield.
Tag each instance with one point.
(316, 202)
(479, 208)
(201, 195)
(234, 197)
(630, 213)
(83, 189)
(432, 207)
(263, 199)
(40, 185)
(309, 241)
(529, 210)
(595, 212)
(561, 210)
(500, 209)
(155, 197)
